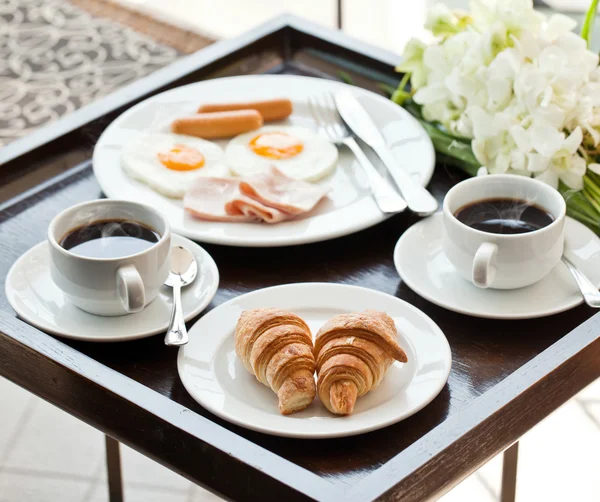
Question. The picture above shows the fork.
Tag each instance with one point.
(330, 124)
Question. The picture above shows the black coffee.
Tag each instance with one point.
(504, 216)
(110, 239)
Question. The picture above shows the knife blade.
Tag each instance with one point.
(360, 122)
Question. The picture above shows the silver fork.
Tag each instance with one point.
(331, 125)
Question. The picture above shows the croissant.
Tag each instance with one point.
(353, 353)
(276, 346)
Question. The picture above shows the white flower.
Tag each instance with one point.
(524, 89)
(495, 40)
(443, 22)
(558, 25)
(588, 119)
(527, 45)
(449, 81)
(440, 21)
(558, 155)
(493, 145)
(413, 63)
(515, 15)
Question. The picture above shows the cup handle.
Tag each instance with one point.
(484, 271)
(130, 289)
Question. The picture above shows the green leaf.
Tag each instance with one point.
(401, 95)
(414, 109)
(588, 23)
(457, 149)
(387, 88)
(345, 77)
(577, 201)
(593, 224)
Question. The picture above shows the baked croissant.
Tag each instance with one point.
(353, 353)
(276, 346)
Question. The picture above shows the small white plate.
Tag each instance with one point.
(37, 300)
(349, 206)
(216, 378)
(424, 268)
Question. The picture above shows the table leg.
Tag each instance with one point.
(509, 474)
(340, 7)
(113, 467)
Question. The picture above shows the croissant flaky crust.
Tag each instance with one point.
(276, 346)
(354, 352)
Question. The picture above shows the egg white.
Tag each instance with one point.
(317, 159)
(139, 160)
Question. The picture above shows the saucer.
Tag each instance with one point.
(423, 267)
(37, 300)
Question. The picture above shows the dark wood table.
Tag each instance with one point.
(506, 375)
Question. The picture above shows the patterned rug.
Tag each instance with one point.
(56, 57)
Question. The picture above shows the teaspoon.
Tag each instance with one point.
(590, 293)
(184, 269)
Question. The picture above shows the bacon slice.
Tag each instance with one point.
(271, 197)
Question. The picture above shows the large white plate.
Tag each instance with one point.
(350, 207)
(37, 300)
(216, 378)
(423, 266)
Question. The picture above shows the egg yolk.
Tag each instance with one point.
(276, 145)
(182, 158)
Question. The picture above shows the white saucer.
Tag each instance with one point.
(37, 300)
(215, 377)
(425, 269)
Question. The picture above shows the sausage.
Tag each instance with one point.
(270, 109)
(218, 124)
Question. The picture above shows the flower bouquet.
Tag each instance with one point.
(503, 89)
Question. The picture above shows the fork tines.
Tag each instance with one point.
(326, 116)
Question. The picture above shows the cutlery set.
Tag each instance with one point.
(342, 119)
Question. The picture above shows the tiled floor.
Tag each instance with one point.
(48, 456)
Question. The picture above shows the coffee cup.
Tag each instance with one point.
(499, 260)
(103, 276)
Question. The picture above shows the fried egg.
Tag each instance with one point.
(296, 151)
(168, 163)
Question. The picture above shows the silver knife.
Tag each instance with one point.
(356, 117)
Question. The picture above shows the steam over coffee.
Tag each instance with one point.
(110, 239)
(504, 216)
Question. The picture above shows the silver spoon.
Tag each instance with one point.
(184, 269)
(590, 293)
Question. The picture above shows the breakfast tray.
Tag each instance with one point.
(506, 375)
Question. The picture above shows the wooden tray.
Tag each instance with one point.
(506, 375)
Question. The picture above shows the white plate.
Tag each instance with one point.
(216, 378)
(37, 300)
(424, 268)
(349, 208)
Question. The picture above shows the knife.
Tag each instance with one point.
(358, 120)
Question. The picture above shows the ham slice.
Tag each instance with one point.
(254, 210)
(275, 189)
(206, 199)
(271, 197)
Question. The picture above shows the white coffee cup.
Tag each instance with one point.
(109, 286)
(503, 261)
